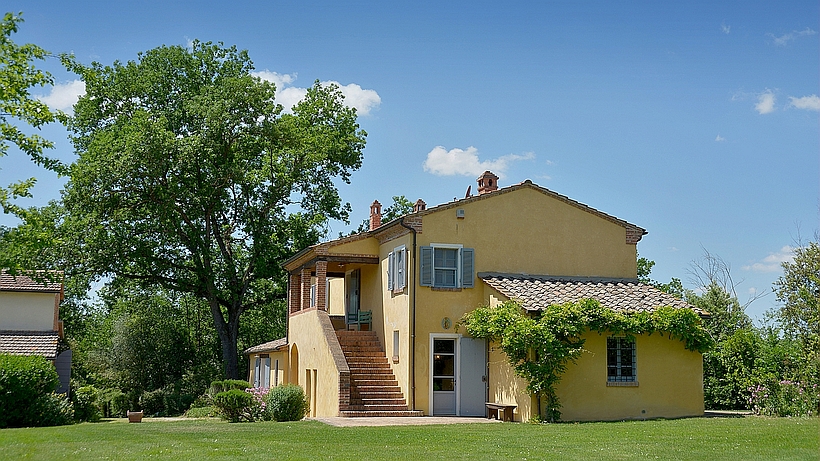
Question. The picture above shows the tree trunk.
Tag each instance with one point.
(228, 333)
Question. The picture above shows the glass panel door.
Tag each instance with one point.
(444, 376)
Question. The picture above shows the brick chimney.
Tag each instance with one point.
(375, 215)
(487, 182)
(419, 206)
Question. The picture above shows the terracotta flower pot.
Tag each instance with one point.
(134, 416)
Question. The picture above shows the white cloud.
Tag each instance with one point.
(726, 29)
(465, 162)
(765, 102)
(720, 138)
(806, 102)
(63, 96)
(772, 262)
(355, 96)
(784, 39)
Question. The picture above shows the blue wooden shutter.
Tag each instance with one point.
(256, 371)
(426, 266)
(467, 267)
(391, 263)
(265, 381)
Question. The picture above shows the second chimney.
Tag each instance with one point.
(375, 215)
(419, 206)
(487, 182)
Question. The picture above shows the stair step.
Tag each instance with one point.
(366, 413)
(372, 407)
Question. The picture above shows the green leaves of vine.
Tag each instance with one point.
(540, 345)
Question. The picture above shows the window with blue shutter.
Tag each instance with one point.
(396, 261)
(400, 279)
(447, 266)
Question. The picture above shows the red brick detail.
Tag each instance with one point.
(294, 290)
(305, 276)
(375, 215)
(321, 285)
(419, 206)
(344, 390)
(414, 222)
(634, 234)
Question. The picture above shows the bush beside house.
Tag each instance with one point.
(27, 397)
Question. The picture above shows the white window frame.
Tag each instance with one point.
(448, 246)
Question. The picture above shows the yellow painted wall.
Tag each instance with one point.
(366, 246)
(396, 316)
(336, 296)
(526, 231)
(523, 231)
(28, 311)
(670, 383)
(320, 360)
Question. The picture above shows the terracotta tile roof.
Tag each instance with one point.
(29, 343)
(20, 282)
(270, 346)
(537, 292)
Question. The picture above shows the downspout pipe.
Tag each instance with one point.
(412, 405)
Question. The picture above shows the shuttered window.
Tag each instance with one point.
(447, 266)
(396, 269)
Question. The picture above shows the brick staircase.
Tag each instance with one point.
(374, 390)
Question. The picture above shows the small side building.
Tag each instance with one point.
(30, 320)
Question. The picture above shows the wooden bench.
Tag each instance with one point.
(494, 410)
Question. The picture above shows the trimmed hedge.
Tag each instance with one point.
(234, 404)
(27, 398)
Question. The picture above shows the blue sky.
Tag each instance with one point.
(695, 120)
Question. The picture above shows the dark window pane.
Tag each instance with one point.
(446, 346)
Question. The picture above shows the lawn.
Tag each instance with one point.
(697, 438)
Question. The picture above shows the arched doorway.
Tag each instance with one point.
(294, 365)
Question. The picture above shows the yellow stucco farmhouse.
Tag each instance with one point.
(372, 327)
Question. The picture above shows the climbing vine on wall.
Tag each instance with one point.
(540, 345)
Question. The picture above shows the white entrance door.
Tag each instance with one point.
(472, 377)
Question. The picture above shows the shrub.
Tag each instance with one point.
(202, 412)
(86, 403)
(50, 410)
(26, 385)
(167, 401)
(784, 398)
(287, 403)
(259, 407)
(113, 403)
(227, 385)
(234, 405)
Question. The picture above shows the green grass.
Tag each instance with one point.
(698, 438)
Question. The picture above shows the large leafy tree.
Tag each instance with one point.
(191, 177)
